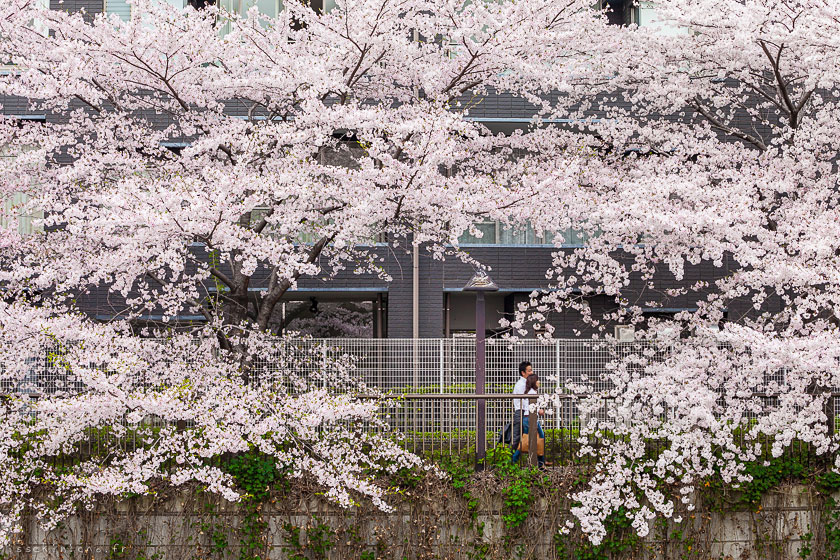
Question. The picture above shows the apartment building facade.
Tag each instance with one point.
(425, 297)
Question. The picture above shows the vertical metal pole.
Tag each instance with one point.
(481, 405)
(379, 366)
(323, 365)
(558, 420)
(441, 365)
(415, 293)
(414, 404)
(442, 404)
(415, 331)
(379, 330)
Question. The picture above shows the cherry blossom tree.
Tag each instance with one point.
(716, 143)
(305, 137)
(198, 158)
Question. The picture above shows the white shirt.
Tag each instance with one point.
(519, 389)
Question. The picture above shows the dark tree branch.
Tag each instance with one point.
(716, 123)
(272, 297)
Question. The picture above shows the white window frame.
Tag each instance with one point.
(105, 9)
(180, 4)
(648, 18)
(540, 237)
(25, 224)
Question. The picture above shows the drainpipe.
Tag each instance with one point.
(415, 293)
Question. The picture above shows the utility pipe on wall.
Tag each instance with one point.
(415, 293)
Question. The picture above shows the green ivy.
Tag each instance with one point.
(116, 548)
(828, 482)
(406, 478)
(218, 541)
(255, 473)
(832, 526)
(765, 477)
(252, 529)
(320, 539)
(805, 547)
(292, 540)
(518, 493)
(518, 496)
(460, 474)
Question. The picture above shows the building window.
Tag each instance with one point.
(239, 8)
(39, 25)
(118, 7)
(526, 236)
(270, 8)
(620, 12)
(483, 233)
(123, 9)
(648, 17)
(14, 215)
(322, 6)
(16, 212)
(496, 233)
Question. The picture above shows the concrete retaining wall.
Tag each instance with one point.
(428, 523)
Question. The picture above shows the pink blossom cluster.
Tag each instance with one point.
(159, 412)
(717, 150)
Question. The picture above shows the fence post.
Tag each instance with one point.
(557, 419)
(379, 368)
(441, 366)
(481, 405)
(444, 408)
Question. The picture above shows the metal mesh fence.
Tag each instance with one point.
(419, 367)
(432, 367)
(448, 365)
